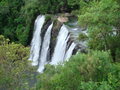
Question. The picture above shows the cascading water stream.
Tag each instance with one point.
(60, 48)
(69, 51)
(36, 41)
(40, 50)
(44, 49)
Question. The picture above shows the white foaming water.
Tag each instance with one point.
(39, 51)
(45, 48)
(69, 51)
(36, 41)
(60, 48)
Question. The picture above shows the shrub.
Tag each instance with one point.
(92, 71)
(15, 70)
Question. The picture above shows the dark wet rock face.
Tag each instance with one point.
(55, 30)
(45, 27)
(79, 48)
(69, 43)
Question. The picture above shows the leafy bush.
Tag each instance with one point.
(93, 71)
(15, 70)
(101, 17)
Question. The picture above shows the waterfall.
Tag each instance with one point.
(36, 41)
(40, 50)
(44, 50)
(69, 51)
(60, 48)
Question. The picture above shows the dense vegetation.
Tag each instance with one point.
(99, 69)
(15, 70)
(102, 19)
(93, 71)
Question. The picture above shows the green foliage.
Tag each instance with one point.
(101, 17)
(9, 17)
(82, 37)
(93, 71)
(117, 55)
(44, 6)
(95, 86)
(3, 41)
(15, 70)
(74, 4)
